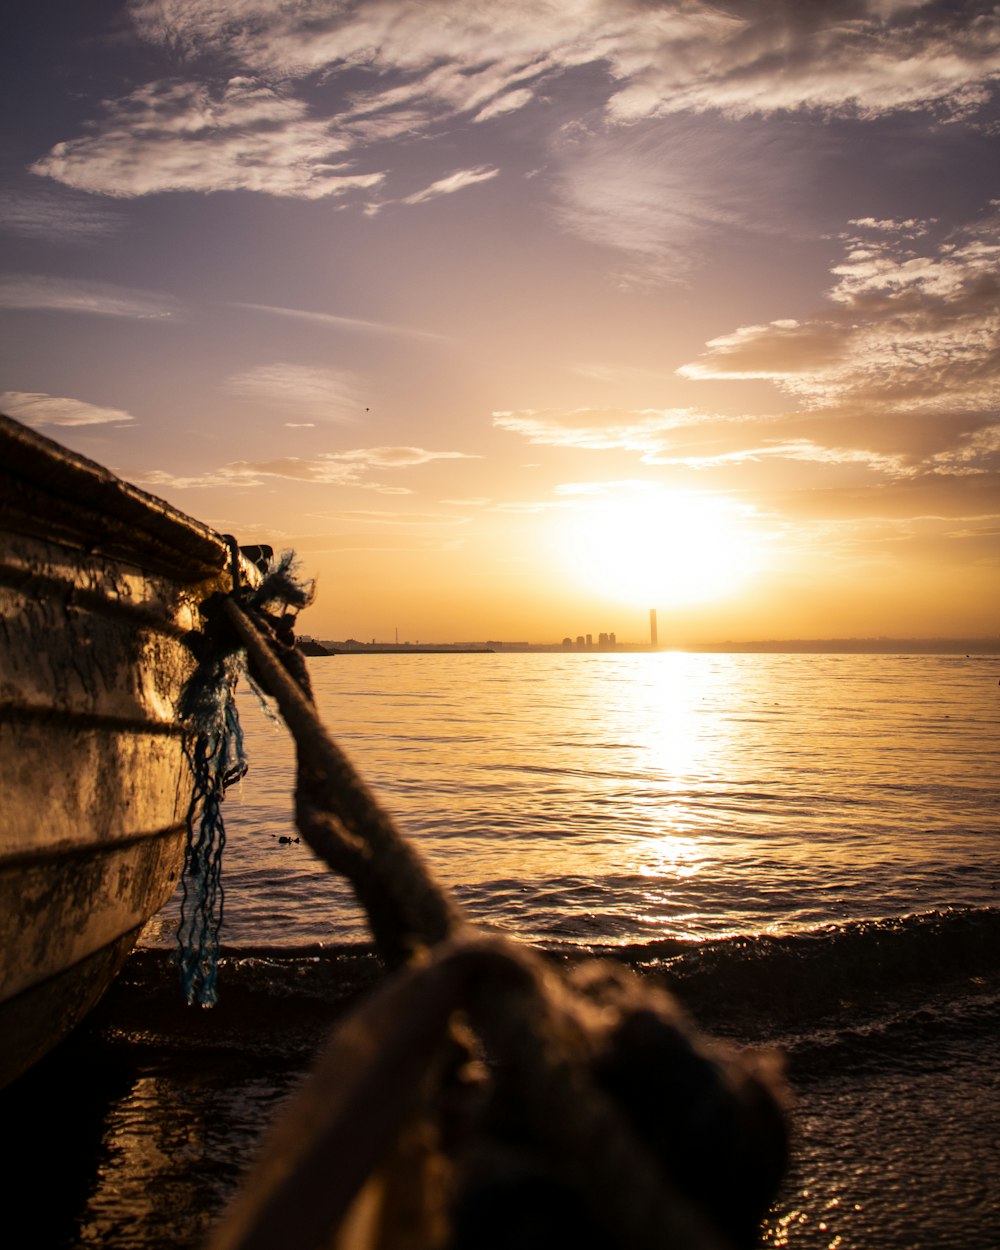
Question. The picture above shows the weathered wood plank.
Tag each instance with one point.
(55, 914)
(68, 786)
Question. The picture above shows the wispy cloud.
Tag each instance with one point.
(399, 457)
(384, 538)
(898, 377)
(658, 192)
(614, 374)
(597, 429)
(36, 409)
(699, 441)
(930, 496)
(411, 67)
(451, 183)
(854, 56)
(803, 450)
(35, 292)
(341, 468)
(908, 353)
(509, 102)
(185, 136)
(372, 517)
(345, 323)
(303, 391)
(246, 473)
(57, 216)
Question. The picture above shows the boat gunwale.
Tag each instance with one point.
(129, 523)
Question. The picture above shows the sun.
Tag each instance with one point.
(647, 547)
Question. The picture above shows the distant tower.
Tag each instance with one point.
(652, 627)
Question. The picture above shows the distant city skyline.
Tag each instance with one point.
(875, 645)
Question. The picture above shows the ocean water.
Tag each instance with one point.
(804, 847)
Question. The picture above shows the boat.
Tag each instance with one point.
(100, 590)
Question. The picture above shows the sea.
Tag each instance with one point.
(803, 848)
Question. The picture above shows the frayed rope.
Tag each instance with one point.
(215, 754)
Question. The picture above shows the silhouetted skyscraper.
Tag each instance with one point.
(652, 627)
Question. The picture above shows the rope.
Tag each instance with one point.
(342, 820)
(532, 1019)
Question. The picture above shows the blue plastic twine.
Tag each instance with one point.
(216, 757)
(215, 753)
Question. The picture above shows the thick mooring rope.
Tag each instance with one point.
(344, 822)
(532, 1020)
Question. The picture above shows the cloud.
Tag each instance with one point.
(781, 350)
(457, 181)
(34, 292)
(926, 495)
(977, 452)
(37, 409)
(907, 356)
(596, 429)
(307, 391)
(341, 468)
(57, 216)
(409, 68)
(346, 466)
(442, 53)
(851, 57)
(361, 540)
(862, 57)
(803, 450)
(324, 471)
(616, 374)
(686, 438)
(661, 191)
(372, 517)
(508, 103)
(346, 323)
(400, 457)
(896, 378)
(184, 136)
(899, 226)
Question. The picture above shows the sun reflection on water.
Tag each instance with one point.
(680, 739)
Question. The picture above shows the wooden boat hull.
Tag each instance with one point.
(100, 589)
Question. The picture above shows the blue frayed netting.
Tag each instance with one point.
(215, 753)
(217, 760)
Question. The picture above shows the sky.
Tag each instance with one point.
(517, 320)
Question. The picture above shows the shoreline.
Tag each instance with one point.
(968, 647)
